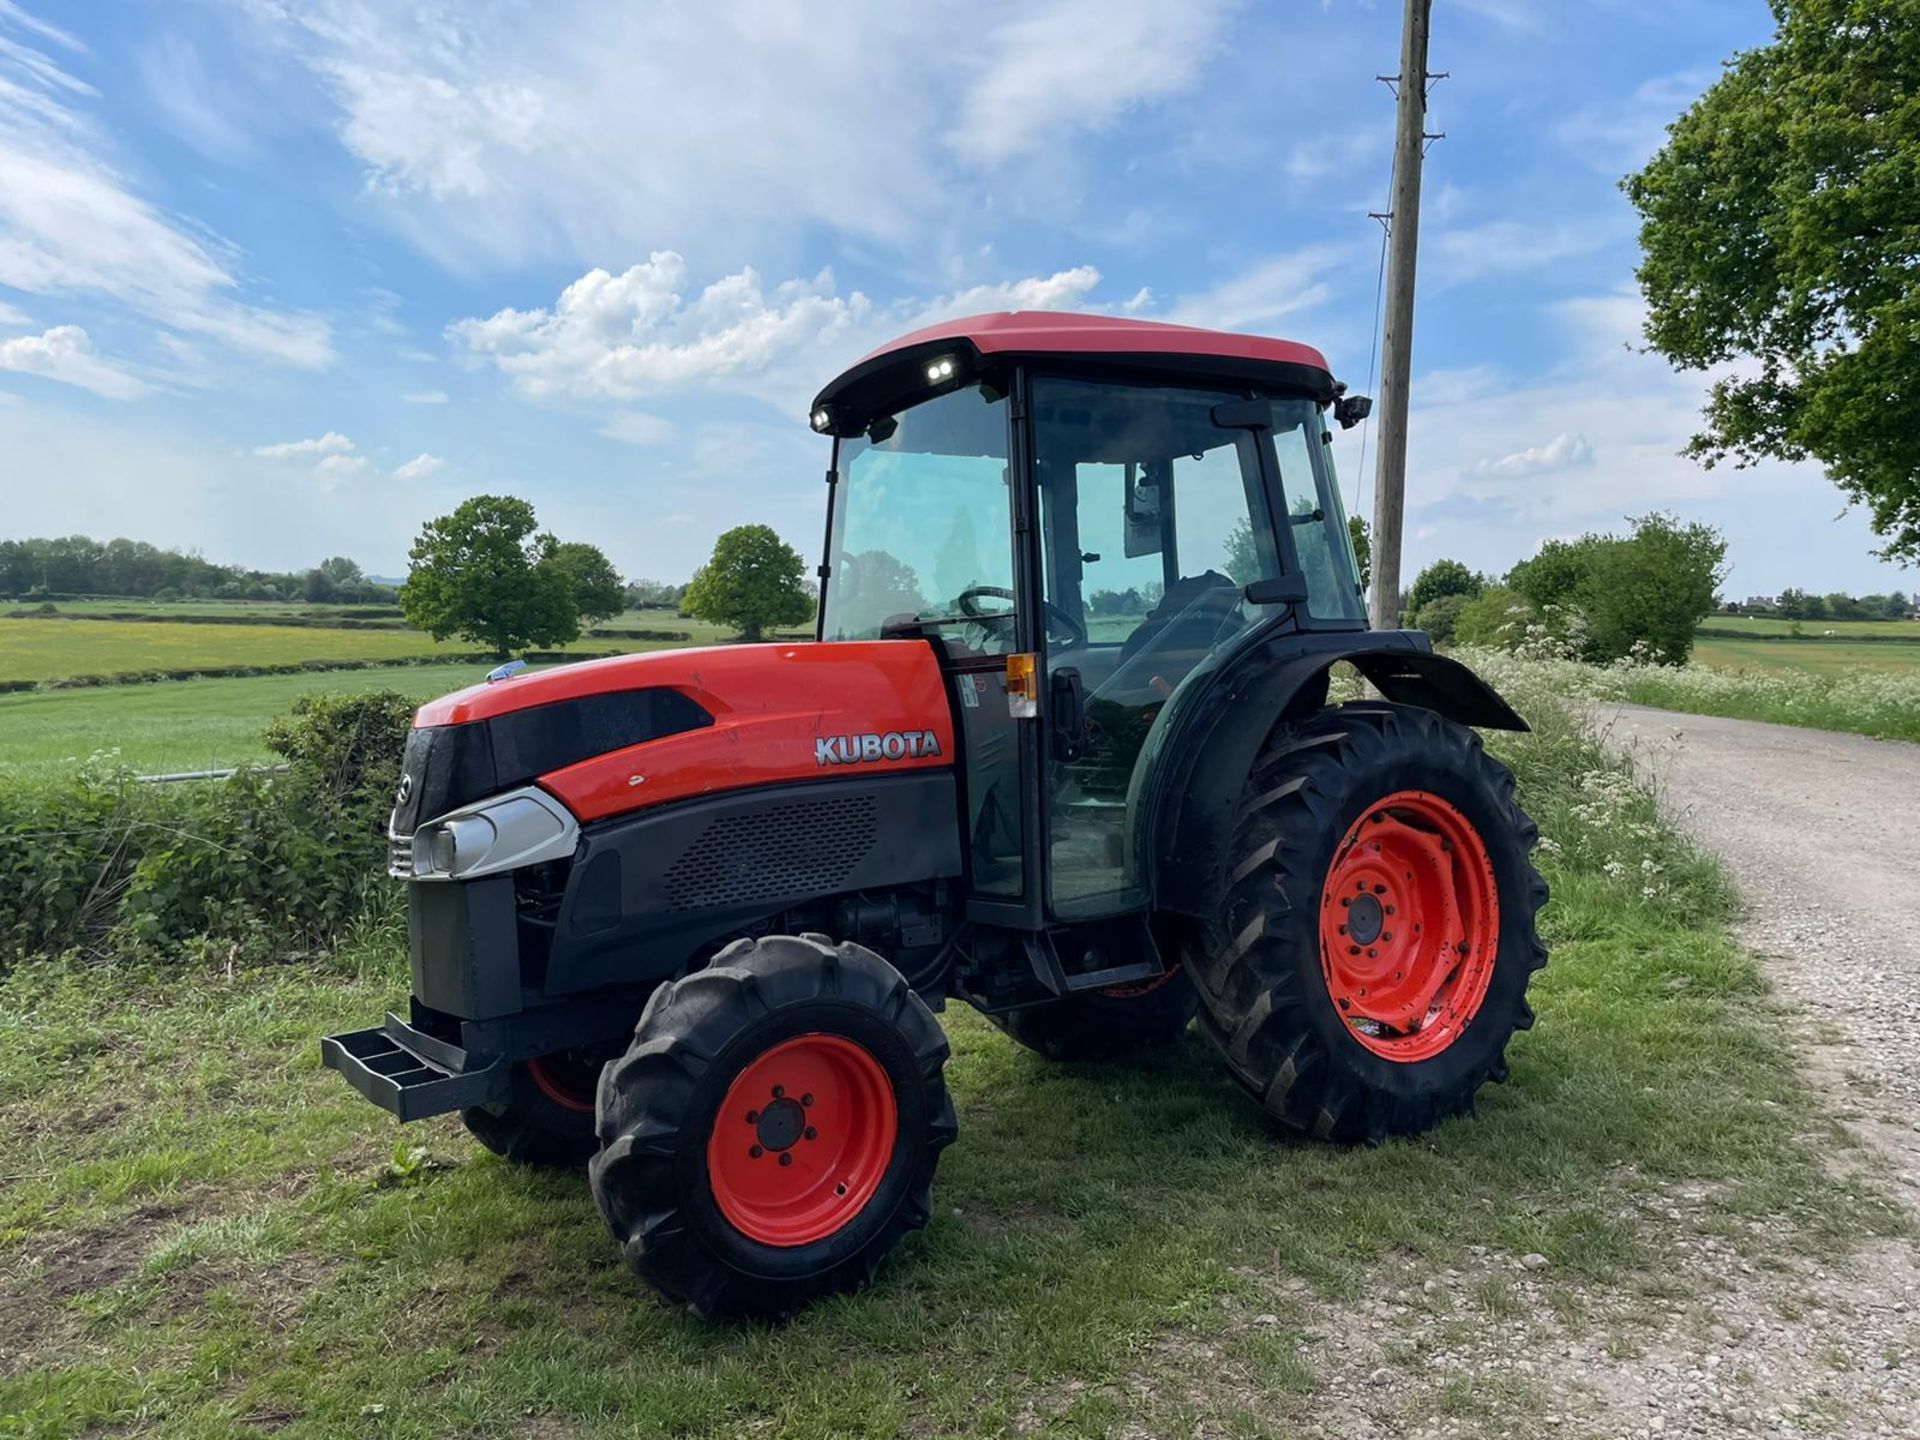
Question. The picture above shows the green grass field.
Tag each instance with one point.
(204, 1234)
(212, 723)
(59, 649)
(183, 725)
(1831, 658)
(1762, 625)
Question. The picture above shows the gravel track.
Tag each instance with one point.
(1821, 832)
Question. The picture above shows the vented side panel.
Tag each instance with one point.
(804, 847)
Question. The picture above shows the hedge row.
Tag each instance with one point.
(269, 863)
(302, 667)
(378, 621)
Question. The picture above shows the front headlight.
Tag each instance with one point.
(522, 827)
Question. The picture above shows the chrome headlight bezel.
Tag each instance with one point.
(503, 832)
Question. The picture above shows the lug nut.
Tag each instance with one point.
(806, 1099)
(812, 1134)
(779, 1091)
(753, 1117)
(756, 1152)
(786, 1157)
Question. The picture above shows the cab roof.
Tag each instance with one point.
(895, 374)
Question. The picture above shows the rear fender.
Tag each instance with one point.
(1203, 745)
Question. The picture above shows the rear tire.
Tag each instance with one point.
(547, 1119)
(1106, 1024)
(720, 1189)
(1365, 806)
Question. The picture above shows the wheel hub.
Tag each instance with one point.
(802, 1139)
(781, 1124)
(1409, 925)
(1365, 918)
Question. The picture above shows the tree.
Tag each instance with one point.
(481, 573)
(754, 581)
(1441, 578)
(1440, 616)
(1778, 228)
(1799, 605)
(878, 585)
(1362, 549)
(597, 592)
(1651, 589)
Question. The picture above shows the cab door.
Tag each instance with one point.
(1153, 520)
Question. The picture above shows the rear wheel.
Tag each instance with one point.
(1372, 958)
(547, 1118)
(773, 1129)
(1104, 1024)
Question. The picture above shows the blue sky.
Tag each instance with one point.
(283, 280)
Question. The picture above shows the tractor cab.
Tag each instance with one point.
(1080, 514)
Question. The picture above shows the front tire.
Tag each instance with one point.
(772, 1131)
(1371, 960)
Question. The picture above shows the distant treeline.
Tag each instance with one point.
(72, 565)
(1804, 605)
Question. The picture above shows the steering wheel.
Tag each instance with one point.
(1060, 625)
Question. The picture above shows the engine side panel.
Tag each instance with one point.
(649, 890)
(782, 714)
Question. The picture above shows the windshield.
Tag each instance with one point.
(921, 524)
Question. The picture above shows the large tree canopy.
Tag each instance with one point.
(754, 582)
(483, 573)
(1781, 230)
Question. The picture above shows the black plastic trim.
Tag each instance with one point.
(447, 766)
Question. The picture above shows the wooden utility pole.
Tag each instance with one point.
(1396, 365)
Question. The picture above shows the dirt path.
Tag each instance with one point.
(1822, 833)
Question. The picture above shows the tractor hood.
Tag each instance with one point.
(606, 737)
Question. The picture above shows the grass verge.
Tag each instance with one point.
(204, 1234)
(1851, 698)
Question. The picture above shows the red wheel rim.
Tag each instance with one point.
(802, 1140)
(1409, 926)
(554, 1083)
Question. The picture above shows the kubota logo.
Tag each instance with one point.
(859, 749)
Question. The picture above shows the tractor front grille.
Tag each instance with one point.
(800, 848)
(400, 856)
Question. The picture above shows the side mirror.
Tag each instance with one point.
(1350, 410)
(1287, 589)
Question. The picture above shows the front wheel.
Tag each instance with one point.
(773, 1129)
(1372, 957)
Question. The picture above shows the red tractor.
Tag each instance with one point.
(1062, 749)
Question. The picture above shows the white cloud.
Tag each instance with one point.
(66, 354)
(1504, 247)
(1616, 136)
(340, 467)
(331, 443)
(646, 330)
(12, 316)
(495, 135)
(1267, 291)
(70, 224)
(1568, 450)
(418, 468)
(636, 427)
(1079, 64)
(426, 397)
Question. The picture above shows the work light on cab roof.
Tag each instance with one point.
(1061, 747)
